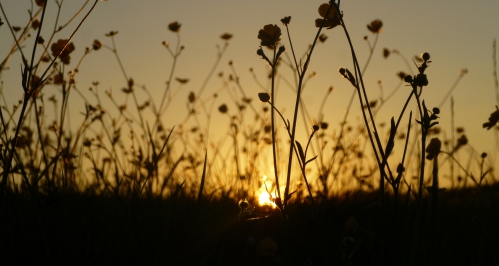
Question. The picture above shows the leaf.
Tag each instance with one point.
(300, 151)
(311, 159)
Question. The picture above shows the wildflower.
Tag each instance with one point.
(191, 97)
(58, 79)
(269, 35)
(111, 33)
(96, 45)
(421, 80)
(375, 26)
(174, 26)
(62, 50)
(493, 119)
(264, 97)
(40, 2)
(16, 28)
(286, 20)
(333, 18)
(386, 53)
(461, 141)
(433, 148)
(40, 40)
(35, 24)
(223, 109)
(226, 36)
(182, 81)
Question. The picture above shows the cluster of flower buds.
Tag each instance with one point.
(420, 79)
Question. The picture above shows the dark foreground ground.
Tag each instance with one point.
(351, 230)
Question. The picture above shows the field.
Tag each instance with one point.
(233, 175)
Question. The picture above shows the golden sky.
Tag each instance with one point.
(457, 34)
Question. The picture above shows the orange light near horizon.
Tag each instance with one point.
(264, 199)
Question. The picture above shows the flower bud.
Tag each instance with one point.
(408, 78)
(421, 80)
(264, 97)
(425, 56)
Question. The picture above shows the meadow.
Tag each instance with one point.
(98, 175)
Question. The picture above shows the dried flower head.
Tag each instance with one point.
(332, 20)
(269, 35)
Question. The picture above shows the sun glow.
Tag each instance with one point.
(264, 197)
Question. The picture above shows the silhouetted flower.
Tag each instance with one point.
(40, 40)
(191, 97)
(35, 24)
(96, 45)
(269, 35)
(174, 26)
(375, 26)
(493, 119)
(433, 148)
(111, 33)
(182, 81)
(386, 53)
(226, 36)
(16, 28)
(264, 97)
(57, 47)
(223, 109)
(421, 80)
(333, 18)
(286, 20)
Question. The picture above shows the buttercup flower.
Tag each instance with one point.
(375, 26)
(269, 35)
(226, 36)
(333, 18)
(433, 148)
(57, 47)
(174, 26)
(96, 45)
(286, 20)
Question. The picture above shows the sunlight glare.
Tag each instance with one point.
(264, 199)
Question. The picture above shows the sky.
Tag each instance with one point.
(458, 35)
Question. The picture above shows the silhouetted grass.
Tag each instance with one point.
(128, 187)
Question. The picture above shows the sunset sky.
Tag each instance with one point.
(458, 35)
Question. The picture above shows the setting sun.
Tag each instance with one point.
(264, 198)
